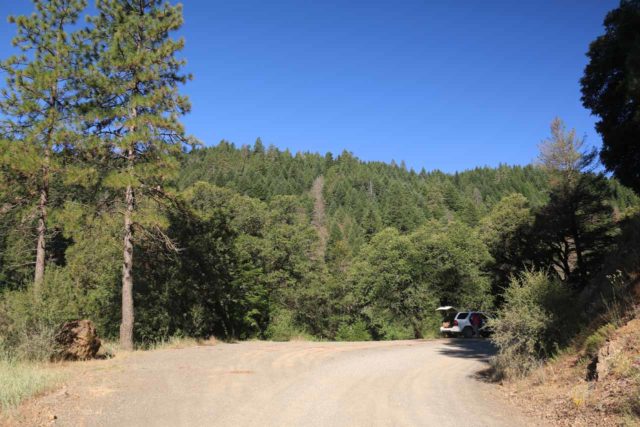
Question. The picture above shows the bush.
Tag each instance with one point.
(26, 332)
(356, 331)
(431, 326)
(283, 328)
(29, 322)
(396, 331)
(531, 324)
(595, 341)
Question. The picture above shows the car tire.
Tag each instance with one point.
(467, 332)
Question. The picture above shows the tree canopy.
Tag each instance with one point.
(611, 90)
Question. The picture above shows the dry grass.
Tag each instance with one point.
(560, 392)
(111, 349)
(181, 342)
(174, 343)
(22, 380)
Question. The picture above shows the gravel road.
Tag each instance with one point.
(401, 383)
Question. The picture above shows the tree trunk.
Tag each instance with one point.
(417, 333)
(577, 243)
(42, 226)
(126, 327)
(318, 220)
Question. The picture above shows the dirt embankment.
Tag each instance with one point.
(582, 390)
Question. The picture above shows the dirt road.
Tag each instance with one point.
(402, 383)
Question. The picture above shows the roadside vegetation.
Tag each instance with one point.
(110, 212)
(21, 380)
(569, 339)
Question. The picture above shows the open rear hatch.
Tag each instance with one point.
(448, 314)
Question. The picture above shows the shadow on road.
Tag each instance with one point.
(468, 348)
(473, 349)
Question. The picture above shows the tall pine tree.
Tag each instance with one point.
(134, 107)
(37, 105)
(575, 228)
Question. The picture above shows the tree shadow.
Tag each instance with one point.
(479, 349)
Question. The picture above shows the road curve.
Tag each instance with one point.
(401, 383)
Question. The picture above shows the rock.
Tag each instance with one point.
(78, 340)
(609, 350)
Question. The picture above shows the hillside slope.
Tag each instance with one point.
(588, 386)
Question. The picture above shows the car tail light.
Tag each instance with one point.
(455, 323)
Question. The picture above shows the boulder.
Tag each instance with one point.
(605, 354)
(78, 340)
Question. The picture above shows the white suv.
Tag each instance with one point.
(456, 323)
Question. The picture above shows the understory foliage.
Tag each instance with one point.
(536, 319)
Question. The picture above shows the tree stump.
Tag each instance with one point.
(78, 340)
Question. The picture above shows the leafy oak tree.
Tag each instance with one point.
(391, 296)
(506, 231)
(134, 106)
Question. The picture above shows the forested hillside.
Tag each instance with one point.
(247, 249)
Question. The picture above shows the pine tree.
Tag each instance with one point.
(37, 103)
(577, 222)
(134, 107)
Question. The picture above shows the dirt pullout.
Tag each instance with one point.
(399, 383)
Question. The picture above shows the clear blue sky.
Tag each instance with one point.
(440, 84)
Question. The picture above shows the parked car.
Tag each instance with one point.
(458, 323)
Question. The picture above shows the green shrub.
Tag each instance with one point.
(26, 332)
(431, 327)
(396, 331)
(283, 328)
(595, 341)
(29, 322)
(531, 325)
(356, 331)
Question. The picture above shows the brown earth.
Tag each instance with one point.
(397, 383)
(561, 392)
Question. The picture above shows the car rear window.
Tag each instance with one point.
(462, 315)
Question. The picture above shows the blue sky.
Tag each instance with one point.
(439, 84)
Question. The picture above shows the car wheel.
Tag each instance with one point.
(467, 332)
